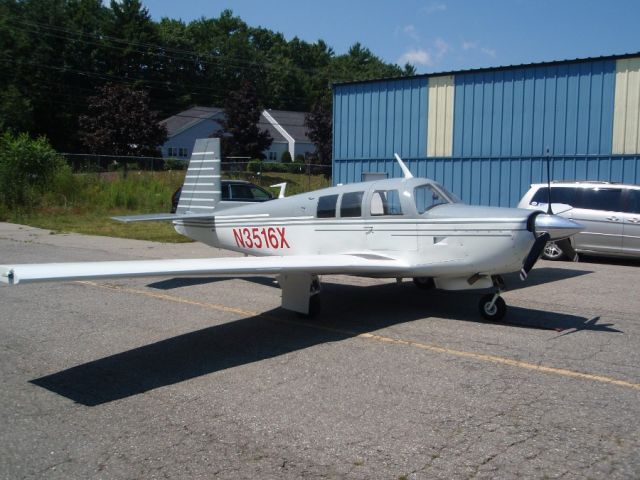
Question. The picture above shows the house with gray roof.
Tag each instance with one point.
(286, 128)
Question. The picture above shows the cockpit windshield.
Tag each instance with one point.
(428, 196)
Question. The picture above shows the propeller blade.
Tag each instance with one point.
(534, 254)
(567, 249)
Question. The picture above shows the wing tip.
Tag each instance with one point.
(7, 275)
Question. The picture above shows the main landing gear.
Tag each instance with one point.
(300, 293)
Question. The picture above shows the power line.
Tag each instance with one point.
(195, 55)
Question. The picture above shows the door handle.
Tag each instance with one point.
(634, 220)
(613, 218)
(368, 229)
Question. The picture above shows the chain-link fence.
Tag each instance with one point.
(263, 173)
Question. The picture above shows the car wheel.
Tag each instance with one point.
(552, 252)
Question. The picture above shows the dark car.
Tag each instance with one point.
(232, 191)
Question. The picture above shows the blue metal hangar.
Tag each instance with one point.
(484, 133)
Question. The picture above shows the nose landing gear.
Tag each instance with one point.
(492, 307)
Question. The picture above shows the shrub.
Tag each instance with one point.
(28, 169)
(255, 166)
(175, 164)
(286, 157)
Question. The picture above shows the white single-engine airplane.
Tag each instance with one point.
(397, 228)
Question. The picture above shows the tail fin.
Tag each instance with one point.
(201, 189)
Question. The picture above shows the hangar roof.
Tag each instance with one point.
(493, 69)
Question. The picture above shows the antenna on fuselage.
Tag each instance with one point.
(549, 210)
(405, 169)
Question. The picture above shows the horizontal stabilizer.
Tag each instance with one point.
(225, 266)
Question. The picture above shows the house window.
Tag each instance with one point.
(172, 152)
(272, 156)
(183, 152)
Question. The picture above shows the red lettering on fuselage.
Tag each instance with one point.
(261, 238)
(237, 234)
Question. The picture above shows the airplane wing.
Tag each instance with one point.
(355, 264)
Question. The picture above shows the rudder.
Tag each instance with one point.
(201, 190)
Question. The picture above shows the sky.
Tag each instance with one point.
(440, 35)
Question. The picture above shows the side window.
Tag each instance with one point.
(351, 205)
(426, 198)
(259, 194)
(566, 195)
(386, 202)
(632, 201)
(327, 206)
(225, 192)
(241, 192)
(608, 199)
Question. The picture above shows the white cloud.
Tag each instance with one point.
(410, 31)
(442, 48)
(468, 45)
(416, 57)
(434, 7)
(489, 52)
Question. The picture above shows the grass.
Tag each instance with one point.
(65, 220)
(84, 203)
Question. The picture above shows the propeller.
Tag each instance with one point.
(534, 254)
(567, 249)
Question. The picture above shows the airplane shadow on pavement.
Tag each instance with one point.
(347, 312)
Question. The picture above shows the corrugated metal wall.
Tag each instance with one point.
(503, 122)
(376, 120)
(522, 112)
(626, 122)
(440, 117)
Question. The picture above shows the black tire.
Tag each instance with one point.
(552, 252)
(424, 283)
(494, 314)
(315, 307)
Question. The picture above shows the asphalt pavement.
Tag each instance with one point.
(209, 378)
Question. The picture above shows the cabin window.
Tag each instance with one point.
(327, 206)
(426, 197)
(386, 202)
(351, 205)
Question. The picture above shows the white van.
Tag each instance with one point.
(609, 212)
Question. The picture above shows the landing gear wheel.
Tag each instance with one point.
(424, 283)
(492, 310)
(552, 252)
(315, 307)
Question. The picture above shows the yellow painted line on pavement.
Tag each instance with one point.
(380, 338)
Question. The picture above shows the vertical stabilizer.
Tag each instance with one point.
(201, 189)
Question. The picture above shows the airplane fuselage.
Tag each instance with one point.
(447, 240)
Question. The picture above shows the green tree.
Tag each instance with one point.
(319, 122)
(243, 137)
(121, 123)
